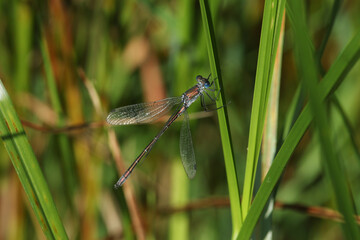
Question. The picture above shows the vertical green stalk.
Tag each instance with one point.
(223, 121)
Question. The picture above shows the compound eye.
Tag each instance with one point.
(199, 78)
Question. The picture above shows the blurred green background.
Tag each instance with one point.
(107, 54)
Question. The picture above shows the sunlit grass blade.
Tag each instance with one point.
(329, 84)
(307, 67)
(28, 170)
(223, 120)
(270, 32)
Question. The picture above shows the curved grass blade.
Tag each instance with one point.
(233, 185)
(28, 170)
(328, 85)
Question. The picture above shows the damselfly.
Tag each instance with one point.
(148, 112)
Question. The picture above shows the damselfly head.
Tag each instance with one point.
(203, 81)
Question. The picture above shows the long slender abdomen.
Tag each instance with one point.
(147, 149)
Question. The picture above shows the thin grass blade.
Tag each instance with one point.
(223, 120)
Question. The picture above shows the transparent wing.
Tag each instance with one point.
(142, 112)
(187, 148)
